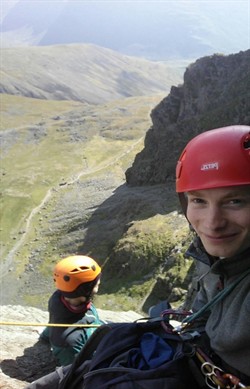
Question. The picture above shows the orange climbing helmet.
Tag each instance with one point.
(214, 159)
(76, 275)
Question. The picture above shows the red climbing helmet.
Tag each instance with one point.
(214, 159)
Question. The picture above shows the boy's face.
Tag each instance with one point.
(221, 218)
(77, 301)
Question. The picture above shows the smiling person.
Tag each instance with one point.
(77, 279)
(213, 183)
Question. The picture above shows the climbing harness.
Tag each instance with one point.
(215, 377)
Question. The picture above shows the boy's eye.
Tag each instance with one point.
(235, 201)
(196, 200)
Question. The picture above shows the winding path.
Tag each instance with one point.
(7, 262)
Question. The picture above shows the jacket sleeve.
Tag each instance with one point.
(50, 381)
(72, 339)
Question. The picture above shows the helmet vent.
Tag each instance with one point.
(76, 270)
(84, 267)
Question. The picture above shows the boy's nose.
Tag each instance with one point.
(215, 218)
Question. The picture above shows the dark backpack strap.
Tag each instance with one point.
(73, 376)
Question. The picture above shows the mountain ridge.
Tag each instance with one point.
(153, 30)
(84, 72)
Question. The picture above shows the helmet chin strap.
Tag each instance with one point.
(183, 202)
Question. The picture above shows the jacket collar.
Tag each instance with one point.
(227, 266)
(197, 251)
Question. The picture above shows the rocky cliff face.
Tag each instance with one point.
(215, 93)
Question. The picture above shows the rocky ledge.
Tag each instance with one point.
(23, 357)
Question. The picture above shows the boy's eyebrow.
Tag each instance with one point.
(194, 192)
(234, 193)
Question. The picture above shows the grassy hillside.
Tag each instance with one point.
(63, 163)
(84, 72)
(59, 162)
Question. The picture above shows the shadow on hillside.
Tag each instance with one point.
(167, 294)
(113, 217)
(35, 362)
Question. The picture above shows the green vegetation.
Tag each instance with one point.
(58, 157)
(150, 250)
(46, 153)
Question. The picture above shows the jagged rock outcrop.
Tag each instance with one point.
(215, 93)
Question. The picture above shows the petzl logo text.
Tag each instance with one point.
(210, 166)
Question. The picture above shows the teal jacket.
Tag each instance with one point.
(67, 342)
